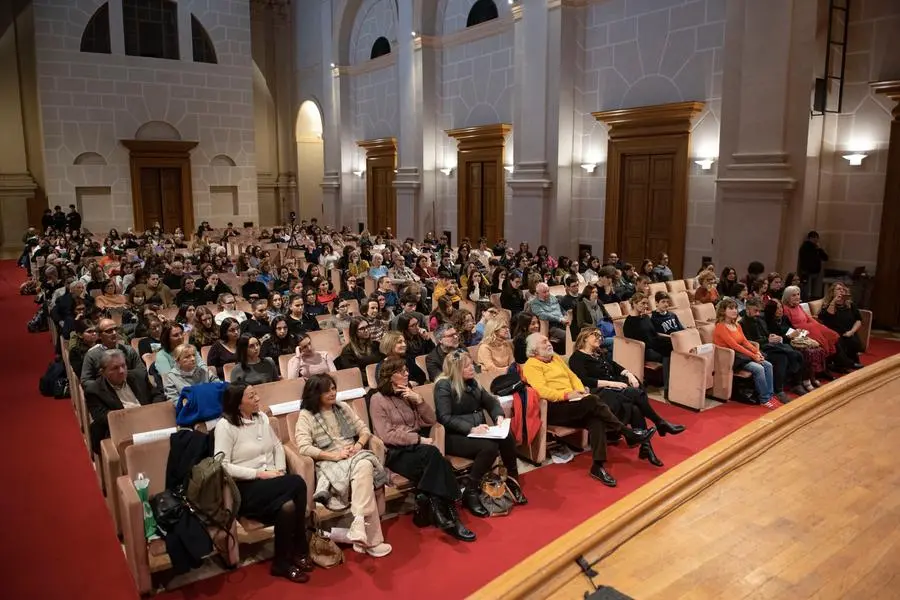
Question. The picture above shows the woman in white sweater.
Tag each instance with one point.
(254, 457)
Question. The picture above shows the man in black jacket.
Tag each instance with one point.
(809, 266)
(447, 340)
(73, 219)
(116, 389)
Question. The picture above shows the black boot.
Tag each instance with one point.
(455, 528)
(423, 517)
(646, 453)
(636, 437)
(473, 503)
(664, 427)
(440, 513)
(515, 489)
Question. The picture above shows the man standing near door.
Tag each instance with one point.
(809, 266)
(73, 219)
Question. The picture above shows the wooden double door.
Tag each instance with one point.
(381, 196)
(647, 210)
(161, 200)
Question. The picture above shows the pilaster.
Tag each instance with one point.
(885, 297)
(769, 57)
(409, 156)
(16, 189)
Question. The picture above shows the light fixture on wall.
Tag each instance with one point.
(414, 34)
(333, 65)
(855, 159)
(589, 167)
(447, 170)
(359, 173)
(705, 163)
(509, 169)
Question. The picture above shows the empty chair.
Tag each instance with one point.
(614, 310)
(676, 285)
(680, 299)
(686, 316)
(659, 286)
(276, 392)
(704, 313)
(326, 340)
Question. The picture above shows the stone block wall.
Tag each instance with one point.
(89, 102)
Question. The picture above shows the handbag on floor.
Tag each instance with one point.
(495, 496)
(322, 550)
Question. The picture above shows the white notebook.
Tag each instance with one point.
(145, 437)
(497, 432)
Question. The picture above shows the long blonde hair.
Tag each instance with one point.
(830, 293)
(490, 331)
(584, 334)
(389, 341)
(454, 363)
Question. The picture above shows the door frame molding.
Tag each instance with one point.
(161, 154)
(380, 152)
(479, 144)
(664, 128)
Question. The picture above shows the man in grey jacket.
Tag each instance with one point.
(545, 306)
(109, 340)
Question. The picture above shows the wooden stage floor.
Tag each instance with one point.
(816, 515)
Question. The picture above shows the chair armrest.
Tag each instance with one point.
(865, 330)
(439, 435)
(377, 448)
(109, 459)
(134, 541)
(723, 373)
(688, 380)
(630, 354)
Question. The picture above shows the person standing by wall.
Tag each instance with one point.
(809, 266)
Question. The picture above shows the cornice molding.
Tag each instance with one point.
(891, 89)
(471, 34)
(654, 120)
(380, 147)
(482, 136)
(17, 183)
(388, 60)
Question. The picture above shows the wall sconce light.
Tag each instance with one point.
(855, 159)
(705, 163)
(333, 65)
(414, 34)
(447, 170)
(359, 173)
(509, 168)
(589, 167)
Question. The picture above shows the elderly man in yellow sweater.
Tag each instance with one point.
(570, 403)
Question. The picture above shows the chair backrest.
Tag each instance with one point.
(324, 320)
(151, 460)
(557, 290)
(627, 309)
(326, 340)
(691, 283)
(684, 341)
(283, 361)
(149, 359)
(279, 391)
(204, 352)
(368, 285)
(135, 342)
(427, 393)
(676, 285)
(347, 379)
(686, 316)
(704, 312)
(659, 286)
(227, 368)
(123, 424)
(487, 378)
(495, 300)
(619, 326)
(169, 313)
(614, 310)
(371, 378)
(706, 332)
(815, 306)
(353, 306)
(680, 299)
(420, 361)
(473, 352)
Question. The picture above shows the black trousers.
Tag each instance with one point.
(635, 406)
(787, 364)
(426, 467)
(851, 347)
(590, 413)
(483, 452)
(280, 501)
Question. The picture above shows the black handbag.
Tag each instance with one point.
(508, 383)
(168, 507)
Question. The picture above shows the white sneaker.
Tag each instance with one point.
(379, 551)
(357, 532)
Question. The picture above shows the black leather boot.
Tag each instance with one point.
(423, 517)
(646, 453)
(440, 513)
(473, 503)
(636, 437)
(455, 528)
(664, 427)
(515, 489)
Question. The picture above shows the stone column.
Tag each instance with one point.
(886, 301)
(770, 56)
(409, 145)
(333, 210)
(530, 181)
(285, 115)
(16, 189)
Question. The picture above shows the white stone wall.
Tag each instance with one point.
(89, 102)
(848, 212)
(376, 18)
(375, 103)
(641, 53)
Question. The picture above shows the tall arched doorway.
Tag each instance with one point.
(310, 160)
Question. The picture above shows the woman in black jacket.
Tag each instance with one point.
(523, 325)
(360, 351)
(280, 342)
(618, 388)
(512, 298)
(640, 327)
(460, 403)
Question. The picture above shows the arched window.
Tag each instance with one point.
(381, 47)
(95, 37)
(204, 51)
(151, 28)
(483, 10)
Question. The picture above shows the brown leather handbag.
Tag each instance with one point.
(322, 550)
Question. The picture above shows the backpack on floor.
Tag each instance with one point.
(54, 383)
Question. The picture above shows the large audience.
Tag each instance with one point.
(143, 316)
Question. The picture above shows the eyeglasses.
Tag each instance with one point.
(451, 335)
(107, 330)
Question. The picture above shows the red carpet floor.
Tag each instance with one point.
(58, 540)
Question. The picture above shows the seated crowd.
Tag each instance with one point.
(143, 317)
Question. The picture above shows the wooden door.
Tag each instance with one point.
(482, 209)
(384, 200)
(647, 212)
(161, 197)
